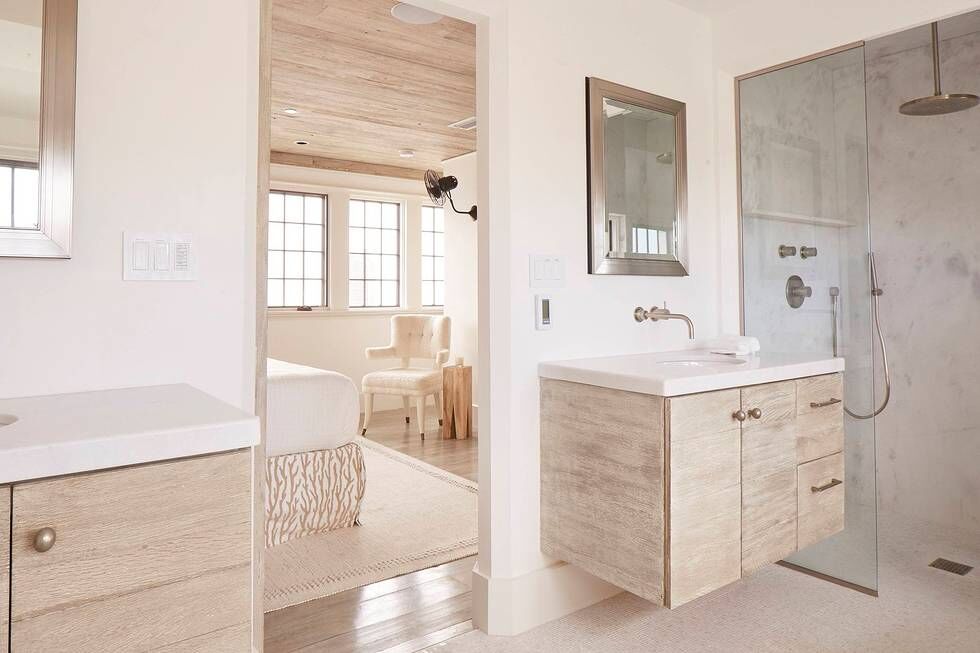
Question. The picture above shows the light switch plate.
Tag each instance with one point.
(158, 256)
(546, 271)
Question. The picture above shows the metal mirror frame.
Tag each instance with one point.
(57, 143)
(596, 89)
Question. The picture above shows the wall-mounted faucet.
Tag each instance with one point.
(656, 314)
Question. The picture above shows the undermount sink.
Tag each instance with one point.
(7, 420)
(702, 362)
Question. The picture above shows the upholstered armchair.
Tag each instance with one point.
(413, 337)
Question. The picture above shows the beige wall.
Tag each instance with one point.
(165, 141)
(461, 265)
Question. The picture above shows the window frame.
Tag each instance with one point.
(325, 252)
(15, 165)
(400, 266)
(423, 256)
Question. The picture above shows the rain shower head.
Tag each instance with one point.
(938, 103)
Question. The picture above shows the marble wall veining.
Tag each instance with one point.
(925, 217)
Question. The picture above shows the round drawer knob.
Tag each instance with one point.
(740, 415)
(755, 413)
(44, 539)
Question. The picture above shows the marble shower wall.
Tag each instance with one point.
(925, 217)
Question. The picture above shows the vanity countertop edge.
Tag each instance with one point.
(56, 435)
(638, 372)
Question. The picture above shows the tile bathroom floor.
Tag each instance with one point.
(777, 609)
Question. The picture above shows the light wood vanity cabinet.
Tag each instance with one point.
(671, 498)
(155, 556)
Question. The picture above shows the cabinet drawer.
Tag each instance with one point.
(776, 402)
(145, 557)
(820, 497)
(820, 394)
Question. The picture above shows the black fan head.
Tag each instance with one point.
(434, 188)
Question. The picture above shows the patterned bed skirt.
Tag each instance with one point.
(312, 492)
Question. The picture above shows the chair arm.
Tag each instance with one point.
(380, 352)
(442, 358)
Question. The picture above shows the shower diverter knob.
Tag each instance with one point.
(797, 291)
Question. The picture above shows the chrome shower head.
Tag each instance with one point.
(938, 103)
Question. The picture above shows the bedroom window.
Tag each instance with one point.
(297, 242)
(19, 195)
(374, 247)
(433, 256)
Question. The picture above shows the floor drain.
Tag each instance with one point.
(948, 565)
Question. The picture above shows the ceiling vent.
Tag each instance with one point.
(466, 124)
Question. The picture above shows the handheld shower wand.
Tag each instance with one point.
(876, 292)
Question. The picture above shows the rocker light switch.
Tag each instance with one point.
(158, 257)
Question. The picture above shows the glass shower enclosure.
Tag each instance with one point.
(805, 223)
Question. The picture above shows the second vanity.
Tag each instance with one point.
(673, 474)
(126, 522)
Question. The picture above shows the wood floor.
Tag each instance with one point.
(402, 614)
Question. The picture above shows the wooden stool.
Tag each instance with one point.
(457, 401)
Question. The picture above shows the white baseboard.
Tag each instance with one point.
(510, 606)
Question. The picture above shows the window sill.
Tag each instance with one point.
(349, 312)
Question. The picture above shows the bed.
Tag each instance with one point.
(315, 476)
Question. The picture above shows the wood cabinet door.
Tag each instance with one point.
(154, 557)
(768, 474)
(704, 481)
(4, 569)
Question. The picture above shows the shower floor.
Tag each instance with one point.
(919, 609)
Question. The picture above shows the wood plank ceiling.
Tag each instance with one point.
(366, 85)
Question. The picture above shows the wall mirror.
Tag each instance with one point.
(37, 126)
(637, 181)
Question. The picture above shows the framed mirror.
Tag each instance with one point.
(637, 181)
(37, 126)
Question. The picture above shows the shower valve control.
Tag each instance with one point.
(797, 291)
(807, 252)
(786, 251)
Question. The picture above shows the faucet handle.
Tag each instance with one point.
(640, 313)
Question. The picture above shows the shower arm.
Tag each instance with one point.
(937, 84)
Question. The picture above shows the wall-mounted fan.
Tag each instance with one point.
(439, 188)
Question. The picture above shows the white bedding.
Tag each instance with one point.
(309, 409)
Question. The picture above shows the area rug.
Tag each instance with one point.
(414, 516)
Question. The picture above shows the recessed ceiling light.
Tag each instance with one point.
(406, 154)
(290, 111)
(414, 15)
(302, 142)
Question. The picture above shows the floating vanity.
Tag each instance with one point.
(673, 474)
(127, 522)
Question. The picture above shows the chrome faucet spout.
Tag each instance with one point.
(656, 314)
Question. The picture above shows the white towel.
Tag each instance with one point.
(733, 345)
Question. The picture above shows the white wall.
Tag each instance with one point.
(165, 141)
(335, 338)
(461, 264)
(533, 59)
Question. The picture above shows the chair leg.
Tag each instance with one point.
(439, 406)
(368, 409)
(408, 410)
(420, 415)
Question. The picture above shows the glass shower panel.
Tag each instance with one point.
(803, 151)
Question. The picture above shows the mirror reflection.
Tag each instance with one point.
(639, 162)
(20, 112)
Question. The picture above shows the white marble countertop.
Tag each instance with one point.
(87, 431)
(672, 373)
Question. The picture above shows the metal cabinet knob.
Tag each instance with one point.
(740, 415)
(44, 539)
(756, 413)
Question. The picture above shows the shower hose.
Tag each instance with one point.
(876, 292)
